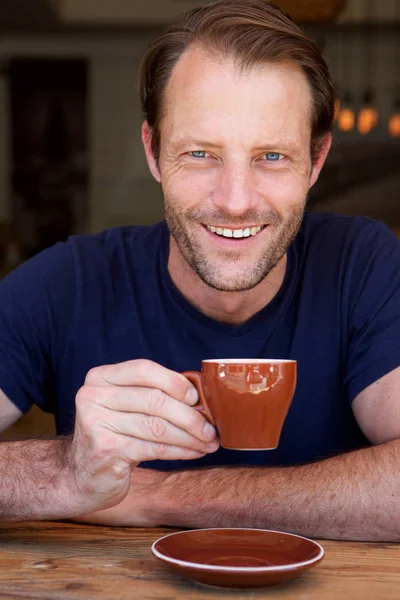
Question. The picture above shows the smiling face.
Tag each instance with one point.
(235, 166)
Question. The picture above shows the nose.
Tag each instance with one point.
(235, 191)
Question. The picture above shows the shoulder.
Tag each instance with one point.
(117, 241)
(54, 272)
(114, 252)
(319, 225)
(31, 281)
(346, 236)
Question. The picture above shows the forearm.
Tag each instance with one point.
(35, 482)
(352, 496)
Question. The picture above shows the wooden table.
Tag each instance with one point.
(64, 560)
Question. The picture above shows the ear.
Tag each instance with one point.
(320, 152)
(147, 134)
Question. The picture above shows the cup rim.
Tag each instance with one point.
(252, 361)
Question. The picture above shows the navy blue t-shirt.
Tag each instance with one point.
(108, 298)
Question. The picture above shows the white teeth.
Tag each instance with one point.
(236, 233)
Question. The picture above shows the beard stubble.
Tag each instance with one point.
(180, 224)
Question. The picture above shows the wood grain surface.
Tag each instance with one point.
(69, 561)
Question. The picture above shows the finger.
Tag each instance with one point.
(148, 451)
(145, 373)
(155, 403)
(147, 428)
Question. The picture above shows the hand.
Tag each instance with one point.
(137, 509)
(127, 413)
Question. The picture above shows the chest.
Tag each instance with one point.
(177, 341)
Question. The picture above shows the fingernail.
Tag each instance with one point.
(209, 432)
(192, 396)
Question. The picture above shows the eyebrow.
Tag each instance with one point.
(199, 143)
(286, 147)
(194, 142)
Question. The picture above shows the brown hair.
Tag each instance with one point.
(253, 32)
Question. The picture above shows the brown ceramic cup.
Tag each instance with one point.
(247, 400)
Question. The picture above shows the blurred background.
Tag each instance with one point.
(71, 159)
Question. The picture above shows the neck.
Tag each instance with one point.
(232, 308)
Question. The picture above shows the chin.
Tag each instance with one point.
(236, 283)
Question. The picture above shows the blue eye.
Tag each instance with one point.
(198, 153)
(273, 156)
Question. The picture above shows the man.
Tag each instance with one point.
(239, 108)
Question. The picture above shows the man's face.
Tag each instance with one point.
(234, 166)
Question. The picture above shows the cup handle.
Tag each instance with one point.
(195, 378)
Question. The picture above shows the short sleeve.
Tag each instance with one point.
(373, 308)
(36, 308)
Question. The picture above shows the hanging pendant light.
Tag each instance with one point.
(367, 118)
(345, 115)
(394, 120)
(337, 74)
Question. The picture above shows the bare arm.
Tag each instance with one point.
(120, 421)
(35, 481)
(352, 496)
(355, 496)
(30, 482)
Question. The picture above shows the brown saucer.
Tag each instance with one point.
(237, 557)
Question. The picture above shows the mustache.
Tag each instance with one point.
(221, 217)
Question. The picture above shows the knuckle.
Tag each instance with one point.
(142, 367)
(158, 451)
(88, 411)
(83, 397)
(157, 427)
(90, 394)
(93, 375)
(156, 402)
(195, 422)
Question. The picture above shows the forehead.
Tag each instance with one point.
(208, 93)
